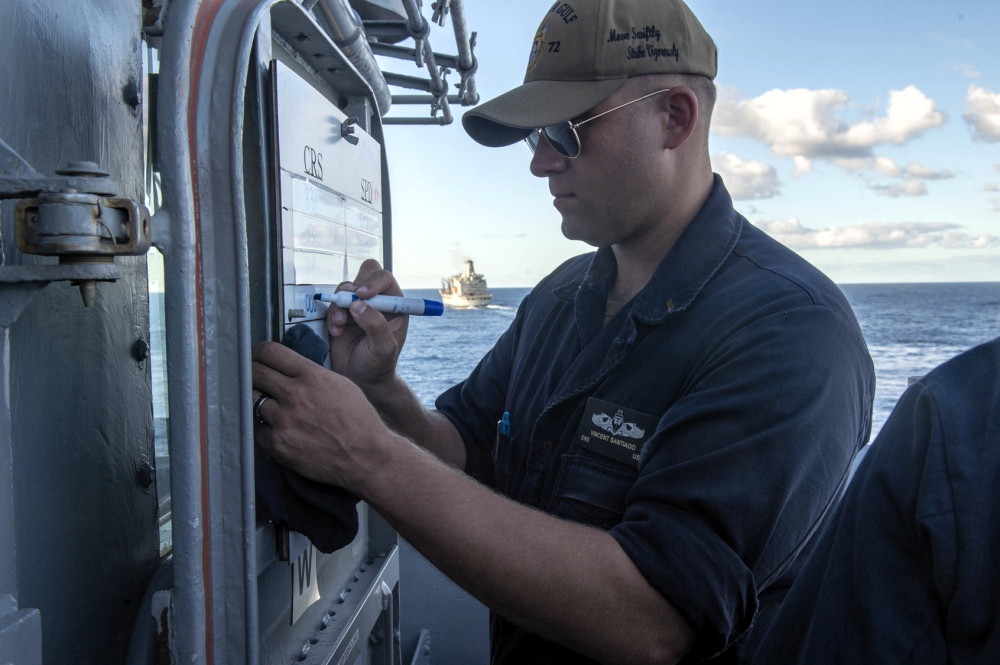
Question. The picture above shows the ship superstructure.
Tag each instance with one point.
(465, 289)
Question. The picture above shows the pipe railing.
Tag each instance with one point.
(368, 39)
(467, 64)
(344, 29)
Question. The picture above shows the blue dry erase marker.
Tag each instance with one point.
(388, 304)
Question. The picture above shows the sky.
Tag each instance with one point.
(863, 135)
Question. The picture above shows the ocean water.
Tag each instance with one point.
(909, 328)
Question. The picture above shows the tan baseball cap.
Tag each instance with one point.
(583, 51)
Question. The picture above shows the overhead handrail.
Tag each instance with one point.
(467, 64)
(381, 37)
(347, 33)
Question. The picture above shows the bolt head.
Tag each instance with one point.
(83, 169)
(140, 350)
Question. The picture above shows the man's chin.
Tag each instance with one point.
(572, 232)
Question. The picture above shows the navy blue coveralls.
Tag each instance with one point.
(906, 571)
(708, 426)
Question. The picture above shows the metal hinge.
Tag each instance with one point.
(75, 216)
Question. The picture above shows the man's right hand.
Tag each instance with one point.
(364, 343)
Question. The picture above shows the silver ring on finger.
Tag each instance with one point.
(257, 404)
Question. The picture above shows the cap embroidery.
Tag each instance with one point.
(647, 34)
(565, 11)
(537, 46)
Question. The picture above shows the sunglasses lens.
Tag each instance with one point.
(560, 136)
(533, 138)
(563, 139)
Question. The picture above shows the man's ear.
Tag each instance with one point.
(680, 113)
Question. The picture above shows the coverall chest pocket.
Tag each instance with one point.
(592, 491)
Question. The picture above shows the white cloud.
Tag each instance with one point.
(982, 112)
(918, 170)
(802, 165)
(890, 169)
(910, 113)
(746, 179)
(889, 235)
(793, 123)
(883, 165)
(809, 124)
(910, 187)
(956, 240)
(992, 187)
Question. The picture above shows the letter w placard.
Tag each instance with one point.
(305, 585)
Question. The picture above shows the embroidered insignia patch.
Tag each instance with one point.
(617, 425)
(614, 431)
(537, 46)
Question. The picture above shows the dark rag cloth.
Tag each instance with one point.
(325, 514)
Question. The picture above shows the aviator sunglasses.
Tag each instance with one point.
(562, 135)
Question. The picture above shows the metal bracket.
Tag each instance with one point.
(18, 180)
(441, 9)
(19, 284)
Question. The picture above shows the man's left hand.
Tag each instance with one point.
(315, 421)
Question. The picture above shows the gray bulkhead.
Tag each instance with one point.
(177, 102)
(76, 520)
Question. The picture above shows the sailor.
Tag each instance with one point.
(739, 372)
(906, 572)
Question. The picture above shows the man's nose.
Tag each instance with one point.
(546, 159)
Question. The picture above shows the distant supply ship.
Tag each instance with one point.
(466, 289)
